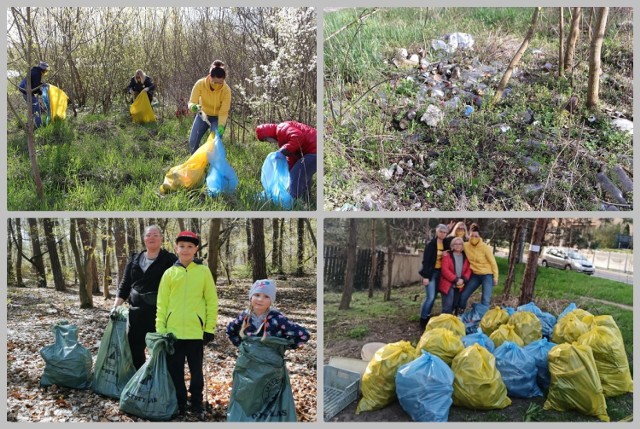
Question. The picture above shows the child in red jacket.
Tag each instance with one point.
(297, 142)
(454, 274)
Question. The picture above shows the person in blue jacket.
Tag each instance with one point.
(37, 73)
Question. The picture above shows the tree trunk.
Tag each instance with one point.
(62, 250)
(95, 278)
(374, 258)
(572, 39)
(275, 244)
(56, 268)
(121, 249)
(214, 246)
(516, 58)
(593, 88)
(561, 43)
(131, 235)
(18, 241)
(390, 256)
(350, 269)
(531, 270)
(10, 273)
(247, 227)
(107, 246)
(36, 258)
(258, 253)
(313, 237)
(281, 250)
(141, 228)
(300, 265)
(86, 298)
(513, 258)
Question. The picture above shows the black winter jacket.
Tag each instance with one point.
(36, 81)
(136, 86)
(141, 288)
(430, 255)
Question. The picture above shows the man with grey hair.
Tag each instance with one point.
(430, 272)
(139, 285)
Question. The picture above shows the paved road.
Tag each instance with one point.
(600, 272)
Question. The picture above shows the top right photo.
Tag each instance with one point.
(478, 109)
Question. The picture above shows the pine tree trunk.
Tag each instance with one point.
(350, 269)
(593, 87)
(36, 258)
(258, 253)
(56, 268)
(531, 270)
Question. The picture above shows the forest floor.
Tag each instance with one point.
(32, 312)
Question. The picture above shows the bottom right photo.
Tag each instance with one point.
(478, 319)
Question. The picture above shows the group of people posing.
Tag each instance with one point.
(175, 293)
(210, 101)
(455, 263)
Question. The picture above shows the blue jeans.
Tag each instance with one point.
(486, 280)
(198, 129)
(35, 108)
(301, 175)
(450, 300)
(431, 289)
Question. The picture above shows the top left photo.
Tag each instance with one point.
(161, 109)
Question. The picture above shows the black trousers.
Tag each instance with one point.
(141, 321)
(192, 351)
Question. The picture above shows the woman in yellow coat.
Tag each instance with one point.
(211, 101)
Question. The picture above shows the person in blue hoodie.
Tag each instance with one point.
(37, 74)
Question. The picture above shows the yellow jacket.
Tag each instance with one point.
(187, 303)
(481, 259)
(214, 102)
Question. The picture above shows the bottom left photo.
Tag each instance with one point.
(161, 319)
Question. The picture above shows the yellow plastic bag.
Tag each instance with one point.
(440, 342)
(58, 100)
(141, 111)
(447, 321)
(527, 326)
(606, 321)
(568, 329)
(611, 360)
(575, 384)
(581, 314)
(379, 379)
(506, 333)
(492, 319)
(191, 173)
(477, 383)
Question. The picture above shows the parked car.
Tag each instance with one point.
(567, 260)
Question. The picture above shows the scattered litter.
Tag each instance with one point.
(625, 180)
(433, 116)
(454, 41)
(468, 110)
(387, 172)
(610, 188)
(532, 165)
(533, 188)
(504, 128)
(348, 208)
(623, 125)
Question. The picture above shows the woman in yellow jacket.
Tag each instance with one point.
(211, 101)
(483, 268)
(187, 307)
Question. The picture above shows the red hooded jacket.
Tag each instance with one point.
(448, 272)
(297, 138)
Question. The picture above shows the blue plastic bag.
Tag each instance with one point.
(67, 362)
(509, 310)
(221, 178)
(567, 310)
(518, 370)
(479, 338)
(424, 388)
(471, 318)
(275, 180)
(540, 350)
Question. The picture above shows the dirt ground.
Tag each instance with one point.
(31, 313)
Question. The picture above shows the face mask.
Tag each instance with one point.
(217, 86)
(474, 240)
(460, 233)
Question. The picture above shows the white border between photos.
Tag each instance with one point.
(320, 215)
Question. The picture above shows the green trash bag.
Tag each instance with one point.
(261, 388)
(114, 364)
(150, 393)
(67, 362)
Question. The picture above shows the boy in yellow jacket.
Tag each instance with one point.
(188, 308)
(484, 269)
(210, 101)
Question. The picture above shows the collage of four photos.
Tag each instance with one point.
(185, 232)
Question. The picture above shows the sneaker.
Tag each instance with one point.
(196, 407)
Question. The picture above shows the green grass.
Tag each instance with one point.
(107, 163)
(465, 163)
